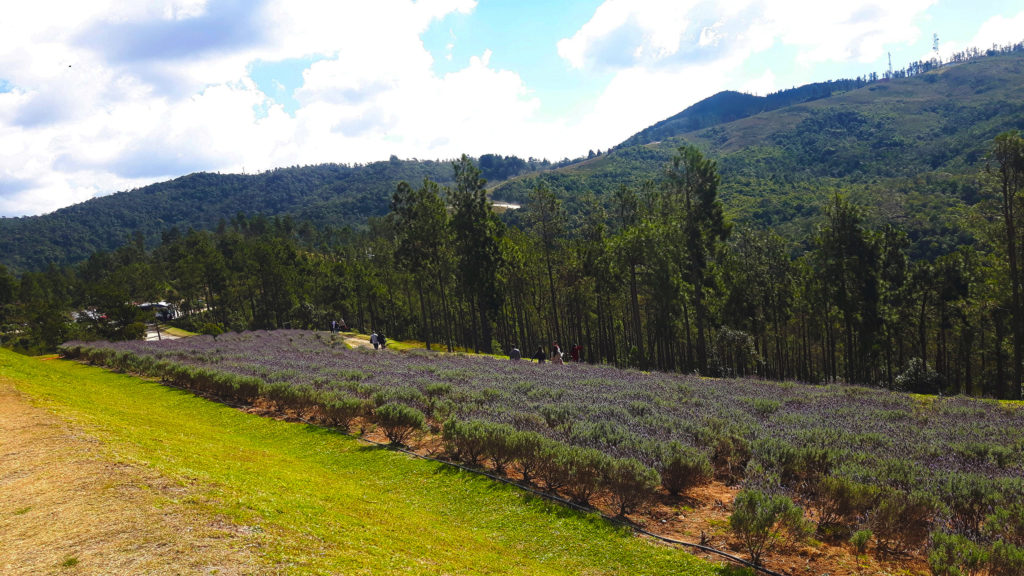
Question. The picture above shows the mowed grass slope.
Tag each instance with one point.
(319, 502)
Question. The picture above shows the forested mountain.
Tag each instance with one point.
(336, 193)
(910, 147)
(325, 195)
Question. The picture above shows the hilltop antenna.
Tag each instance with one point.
(889, 75)
(935, 45)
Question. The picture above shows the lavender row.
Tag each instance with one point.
(626, 413)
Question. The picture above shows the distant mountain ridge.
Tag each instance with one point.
(327, 193)
(729, 105)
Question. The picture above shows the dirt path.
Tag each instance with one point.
(154, 333)
(66, 508)
(357, 342)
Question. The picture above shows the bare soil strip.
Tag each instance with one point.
(67, 508)
(357, 342)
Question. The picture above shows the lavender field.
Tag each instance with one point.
(903, 466)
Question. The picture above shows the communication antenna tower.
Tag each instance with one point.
(935, 43)
(890, 66)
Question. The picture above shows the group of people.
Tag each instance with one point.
(557, 356)
(337, 326)
(378, 340)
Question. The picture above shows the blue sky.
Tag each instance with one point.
(102, 96)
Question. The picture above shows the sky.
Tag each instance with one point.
(105, 95)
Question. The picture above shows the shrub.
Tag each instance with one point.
(764, 407)
(901, 519)
(918, 376)
(842, 500)
(437, 389)
(559, 416)
(465, 441)
(550, 465)
(969, 498)
(955, 555)
(777, 456)
(399, 421)
(683, 467)
(731, 454)
(1006, 559)
(70, 352)
(585, 468)
(499, 445)
(282, 394)
(981, 453)
(631, 483)
(527, 449)
(601, 433)
(761, 521)
(441, 409)
(860, 540)
(473, 441)
(401, 394)
(639, 409)
(1007, 524)
(342, 410)
(211, 329)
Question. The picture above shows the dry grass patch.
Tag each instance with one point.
(67, 508)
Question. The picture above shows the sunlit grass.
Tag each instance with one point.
(179, 332)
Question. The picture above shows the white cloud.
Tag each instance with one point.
(762, 85)
(678, 33)
(1000, 31)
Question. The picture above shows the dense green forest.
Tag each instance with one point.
(870, 236)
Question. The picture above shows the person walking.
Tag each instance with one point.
(515, 354)
(575, 351)
(382, 341)
(540, 356)
(374, 339)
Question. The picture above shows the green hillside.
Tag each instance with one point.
(910, 148)
(728, 106)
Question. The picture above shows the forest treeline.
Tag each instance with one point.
(657, 277)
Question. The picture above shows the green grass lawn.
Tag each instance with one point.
(173, 331)
(326, 503)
